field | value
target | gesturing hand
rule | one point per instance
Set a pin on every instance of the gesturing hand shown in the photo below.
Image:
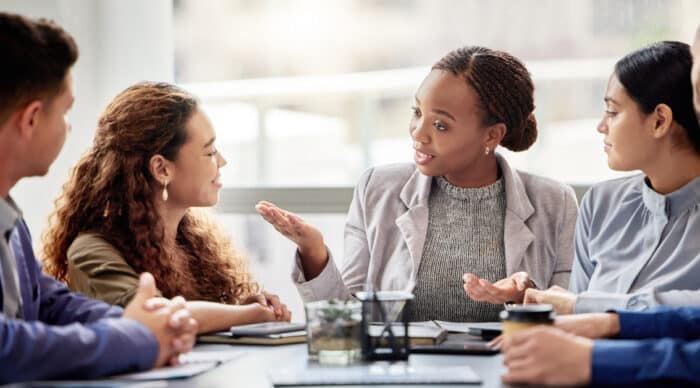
(292, 226)
(511, 288)
(309, 240)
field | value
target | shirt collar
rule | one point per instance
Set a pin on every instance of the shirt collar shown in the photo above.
(672, 204)
(9, 214)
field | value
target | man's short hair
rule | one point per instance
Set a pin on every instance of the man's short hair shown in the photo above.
(35, 56)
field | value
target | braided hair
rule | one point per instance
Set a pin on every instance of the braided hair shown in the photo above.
(504, 87)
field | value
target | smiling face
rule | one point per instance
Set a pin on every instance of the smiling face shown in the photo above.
(628, 141)
(196, 177)
(446, 128)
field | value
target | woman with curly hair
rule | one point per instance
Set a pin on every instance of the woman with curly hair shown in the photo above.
(126, 210)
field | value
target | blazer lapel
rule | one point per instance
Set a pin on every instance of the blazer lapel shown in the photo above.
(413, 224)
(517, 235)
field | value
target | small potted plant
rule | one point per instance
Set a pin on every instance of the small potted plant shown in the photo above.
(334, 331)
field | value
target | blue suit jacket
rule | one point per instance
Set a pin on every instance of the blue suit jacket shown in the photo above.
(63, 334)
(661, 344)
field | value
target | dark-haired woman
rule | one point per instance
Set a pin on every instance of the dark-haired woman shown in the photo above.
(637, 242)
(660, 347)
(127, 209)
(460, 213)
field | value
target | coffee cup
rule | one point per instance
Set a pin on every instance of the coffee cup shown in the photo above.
(518, 317)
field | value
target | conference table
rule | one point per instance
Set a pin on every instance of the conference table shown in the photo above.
(251, 368)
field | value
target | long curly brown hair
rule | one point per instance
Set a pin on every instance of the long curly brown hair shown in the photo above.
(111, 192)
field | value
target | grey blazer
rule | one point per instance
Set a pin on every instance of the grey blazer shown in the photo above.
(388, 220)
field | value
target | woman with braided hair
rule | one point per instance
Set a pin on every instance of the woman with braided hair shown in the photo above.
(460, 218)
(126, 209)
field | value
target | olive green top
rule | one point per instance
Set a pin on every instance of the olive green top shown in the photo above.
(97, 269)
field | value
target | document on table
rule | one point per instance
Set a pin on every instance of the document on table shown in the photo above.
(182, 371)
(374, 373)
(191, 364)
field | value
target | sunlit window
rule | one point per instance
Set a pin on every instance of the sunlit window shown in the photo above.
(311, 92)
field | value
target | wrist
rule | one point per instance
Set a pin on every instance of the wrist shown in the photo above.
(587, 366)
(313, 261)
(255, 313)
(613, 325)
(572, 304)
(314, 253)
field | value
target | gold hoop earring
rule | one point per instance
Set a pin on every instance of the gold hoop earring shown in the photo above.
(165, 192)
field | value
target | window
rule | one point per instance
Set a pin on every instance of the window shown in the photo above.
(309, 93)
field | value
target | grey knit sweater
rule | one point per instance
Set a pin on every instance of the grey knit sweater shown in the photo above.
(465, 234)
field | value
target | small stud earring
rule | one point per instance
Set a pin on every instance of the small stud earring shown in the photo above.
(165, 192)
(486, 151)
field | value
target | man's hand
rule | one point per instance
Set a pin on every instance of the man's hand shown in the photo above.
(169, 321)
(595, 325)
(546, 355)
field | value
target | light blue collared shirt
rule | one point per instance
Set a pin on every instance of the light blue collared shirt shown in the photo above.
(636, 248)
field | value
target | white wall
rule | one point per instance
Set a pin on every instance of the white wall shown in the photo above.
(121, 42)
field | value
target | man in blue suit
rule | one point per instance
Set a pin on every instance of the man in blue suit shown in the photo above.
(657, 345)
(46, 331)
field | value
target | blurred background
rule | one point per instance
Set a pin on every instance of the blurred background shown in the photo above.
(306, 94)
